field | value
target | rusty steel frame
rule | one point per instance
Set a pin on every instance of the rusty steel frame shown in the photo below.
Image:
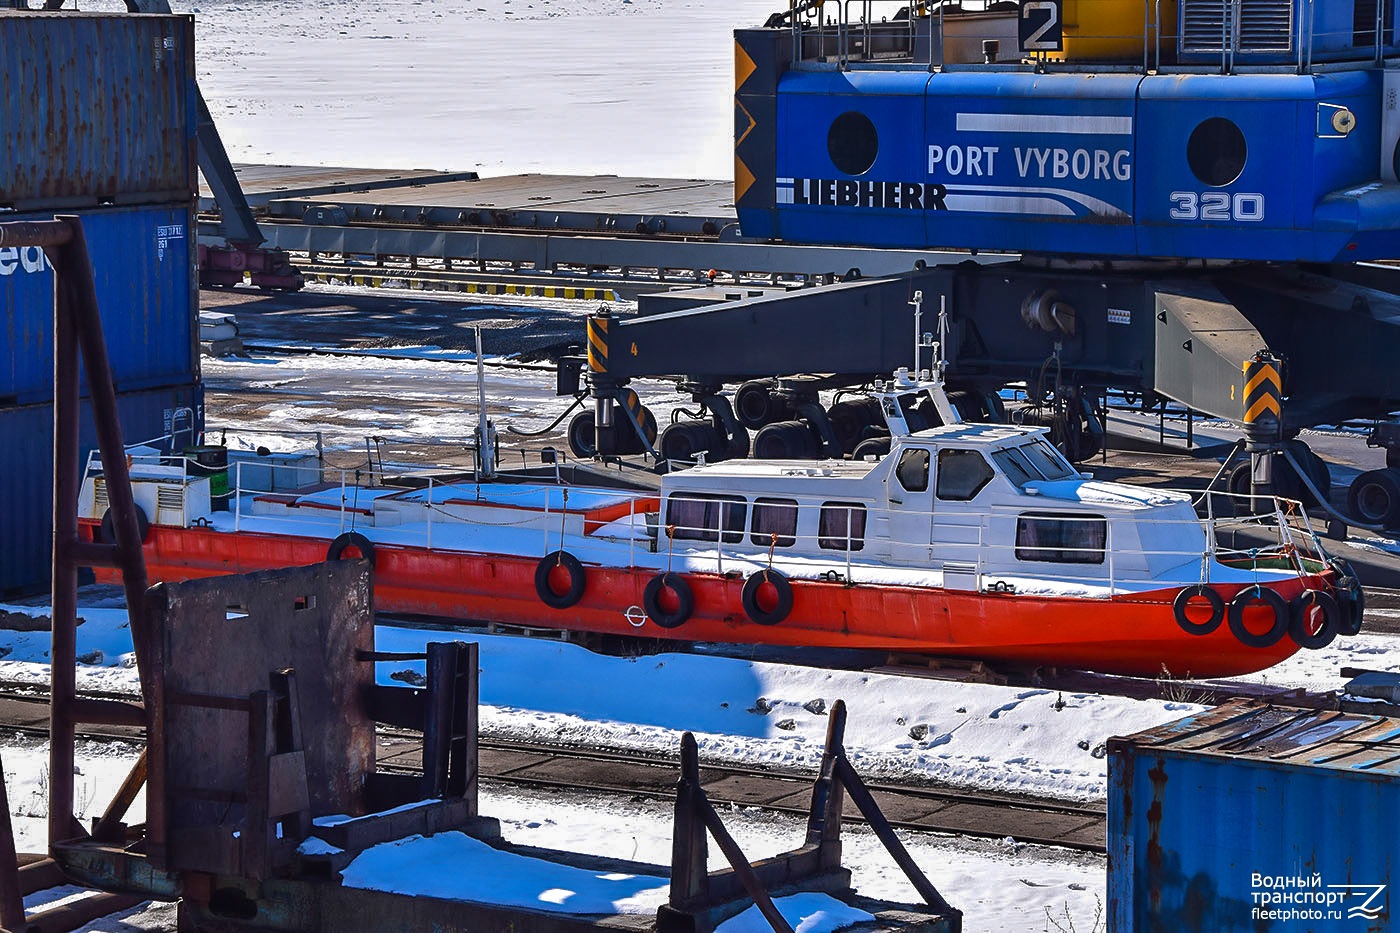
(78, 336)
(700, 898)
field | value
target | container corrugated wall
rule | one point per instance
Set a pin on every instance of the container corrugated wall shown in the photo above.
(26, 465)
(143, 264)
(1249, 818)
(96, 109)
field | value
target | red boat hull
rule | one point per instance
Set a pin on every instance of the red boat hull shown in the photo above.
(1133, 634)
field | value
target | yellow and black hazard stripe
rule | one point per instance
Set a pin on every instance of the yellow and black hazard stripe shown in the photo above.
(760, 57)
(598, 343)
(1263, 390)
(645, 419)
(577, 293)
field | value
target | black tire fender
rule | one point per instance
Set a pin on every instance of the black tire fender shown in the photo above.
(109, 525)
(781, 586)
(685, 599)
(1331, 619)
(1351, 596)
(348, 540)
(1259, 594)
(544, 570)
(1182, 602)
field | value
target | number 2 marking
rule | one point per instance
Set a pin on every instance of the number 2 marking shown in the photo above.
(1035, 42)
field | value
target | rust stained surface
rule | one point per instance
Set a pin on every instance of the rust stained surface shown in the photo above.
(222, 639)
(97, 109)
(1158, 776)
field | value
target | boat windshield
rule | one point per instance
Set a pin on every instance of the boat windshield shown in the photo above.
(1033, 461)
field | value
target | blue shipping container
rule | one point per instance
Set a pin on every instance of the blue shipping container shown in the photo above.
(26, 470)
(1253, 817)
(95, 109)
(143, 264)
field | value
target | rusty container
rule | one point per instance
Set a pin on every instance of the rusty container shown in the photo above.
(96, 110)
(1255, 817)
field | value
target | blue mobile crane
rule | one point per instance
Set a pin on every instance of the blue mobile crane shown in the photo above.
(1180, 199)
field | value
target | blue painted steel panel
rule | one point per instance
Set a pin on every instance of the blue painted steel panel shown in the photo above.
(1086, 164)
(881, 206)
(26, 465)
(143, 264)
(1248, 817)
(96, 109)
(1294, 160)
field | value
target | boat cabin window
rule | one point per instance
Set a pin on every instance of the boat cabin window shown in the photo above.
(1031, 462)
(774, 522)
(1061, 538)
(961, 474)
(1015, 465)
(698, 516)
(1048, 460)
(912, 470)
(842, 526)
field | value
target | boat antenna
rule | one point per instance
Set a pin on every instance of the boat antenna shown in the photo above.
(918, 304)
(940, 359)
(485, 430)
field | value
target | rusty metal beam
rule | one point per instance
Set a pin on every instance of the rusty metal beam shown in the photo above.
(45, 234)
(78, 336)
(690, 888)
(11, 892)
(846, 774)
(79, 913)
(824, 817)
(109, 826)
(64, 609)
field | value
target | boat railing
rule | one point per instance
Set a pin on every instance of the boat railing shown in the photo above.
(1131, 35)
(1246, 532)
(144, 465)
(1102, 550)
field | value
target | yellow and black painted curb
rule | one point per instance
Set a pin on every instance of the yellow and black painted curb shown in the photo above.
(574, 292)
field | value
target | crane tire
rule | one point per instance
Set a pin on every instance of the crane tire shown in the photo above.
(1183, 600)
(544, 572)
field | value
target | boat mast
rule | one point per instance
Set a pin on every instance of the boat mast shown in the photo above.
(933, 381)
(485, 429)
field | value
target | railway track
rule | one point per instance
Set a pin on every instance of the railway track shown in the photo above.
(562, 769)
(1166, 688)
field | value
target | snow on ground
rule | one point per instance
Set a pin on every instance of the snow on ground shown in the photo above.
(351, 395)
(1000, 885)
(742, 712)
(753, 713)
(635, 87)
(762, 714)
